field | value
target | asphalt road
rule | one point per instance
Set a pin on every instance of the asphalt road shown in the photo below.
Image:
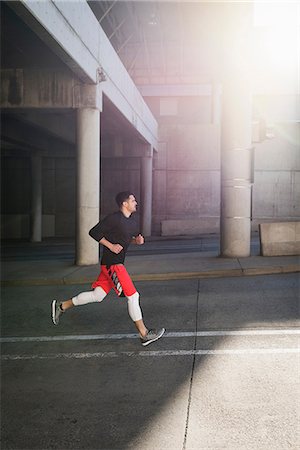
(226, 374)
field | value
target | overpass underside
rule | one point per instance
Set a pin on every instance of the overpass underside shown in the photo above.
(76, 130)
(64, 118)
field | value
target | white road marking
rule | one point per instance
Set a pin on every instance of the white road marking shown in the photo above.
(180, 334)
(159, 353)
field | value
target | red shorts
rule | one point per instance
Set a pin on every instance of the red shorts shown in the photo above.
(115, 277)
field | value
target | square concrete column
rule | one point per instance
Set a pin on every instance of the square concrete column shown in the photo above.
(146, 191)
(88, 174)
(36, 198)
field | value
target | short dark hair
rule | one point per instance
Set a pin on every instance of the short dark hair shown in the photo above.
(122, 197)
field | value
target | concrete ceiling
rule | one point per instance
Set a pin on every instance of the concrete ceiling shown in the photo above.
(169, 42)
(162, 38)
(22, 48)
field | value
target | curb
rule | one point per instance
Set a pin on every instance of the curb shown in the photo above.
(268, 270)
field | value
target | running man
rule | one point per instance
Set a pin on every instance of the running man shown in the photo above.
(115, 233)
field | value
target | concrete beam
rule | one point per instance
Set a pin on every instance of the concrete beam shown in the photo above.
(37, 88)
(46, 89)
(89, 54)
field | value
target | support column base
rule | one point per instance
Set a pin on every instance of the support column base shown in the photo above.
(235, 237)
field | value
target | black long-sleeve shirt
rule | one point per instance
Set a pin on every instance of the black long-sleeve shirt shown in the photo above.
(117, 229)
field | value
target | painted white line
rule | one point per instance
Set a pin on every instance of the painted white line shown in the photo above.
(180, 334)
(82, 337)
(159, 353)
(265, 332)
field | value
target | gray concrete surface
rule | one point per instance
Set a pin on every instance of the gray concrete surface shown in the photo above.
(226, 374)
(280, 238)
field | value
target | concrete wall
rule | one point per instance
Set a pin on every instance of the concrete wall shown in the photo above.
(58, 191)
(59, 197)
(276, 192)
(186, 183)
(15, 197)
(186, 189)
(118, 174)
(187, 167)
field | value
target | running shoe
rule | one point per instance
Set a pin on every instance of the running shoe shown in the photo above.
(56, 312)
(152, 336)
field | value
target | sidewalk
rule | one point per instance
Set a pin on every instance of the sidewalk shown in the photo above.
(159, 259)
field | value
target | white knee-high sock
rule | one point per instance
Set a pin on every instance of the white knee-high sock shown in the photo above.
(134, 309)
(97, 295)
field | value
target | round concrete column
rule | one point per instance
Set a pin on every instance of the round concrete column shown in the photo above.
(36, 198)
(88, 184)
(236, 171)
(146, 194)
(236, 135)
(215, 103)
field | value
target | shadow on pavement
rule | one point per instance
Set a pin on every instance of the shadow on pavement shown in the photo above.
(120, 401)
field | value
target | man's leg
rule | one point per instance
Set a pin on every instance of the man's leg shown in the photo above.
(135, 313)
(147, 336)
(97, 295)
(124, 287)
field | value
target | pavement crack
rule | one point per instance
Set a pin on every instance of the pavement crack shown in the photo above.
(192, 373)
(239, 263)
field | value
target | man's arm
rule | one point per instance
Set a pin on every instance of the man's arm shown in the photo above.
(115, 248)
(98, 232)
(101, 228)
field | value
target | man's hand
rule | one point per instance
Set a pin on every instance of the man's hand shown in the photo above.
(139, 240)
(116, 248)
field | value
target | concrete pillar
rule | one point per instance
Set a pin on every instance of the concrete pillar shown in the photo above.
(88, 175)
(236, 198)
(36, 198)
(215, 104)
(146, 192)
(236, 152)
